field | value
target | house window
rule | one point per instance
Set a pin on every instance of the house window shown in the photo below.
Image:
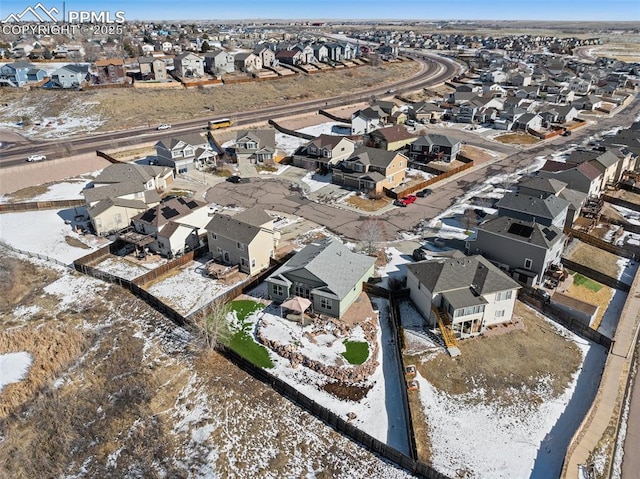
(528, 263)
(239, 245)
(325, 303)
(214, 237)
(253, 262)
(390, 178)
(243, 261)
(277, 289)
(219, 250)
(301, 290)
(501, 296)
(500, 314)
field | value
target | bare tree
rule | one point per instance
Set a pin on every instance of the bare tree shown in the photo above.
(370, 234)
(212, 324)
(469, 219)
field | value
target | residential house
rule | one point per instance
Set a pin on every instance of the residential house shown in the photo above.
(307, 53)
(218, 62)
(152, 68)
(266, 55)
(323, 152)
(247, 62)
(188, 65)
(528, 121)
(566, 113)
(424, 112)
(588, 102)
(290, 57)
(584, 177)
(174, 225)
(371, 170)
(325, 272)
(185, 153)
(470, 292)
(367, 120)
(246, 239)
(257, 146)
(349, 51)
(525, 248)
(521, 79)
(110, 70)
(320, 52)
(70, 76)
(122, 191)
(435, 146)
(390, 138)
(16, 74)
(335, 51)
(549, 211)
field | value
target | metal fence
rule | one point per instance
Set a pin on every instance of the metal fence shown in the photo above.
(36, 255)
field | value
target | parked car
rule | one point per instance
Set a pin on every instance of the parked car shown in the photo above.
(36, 158)
(164, 126)
(423, 193)
(410, 123)
(420, 253)
(237, 179)
(543, 295)
(480, 213)
(566, 133)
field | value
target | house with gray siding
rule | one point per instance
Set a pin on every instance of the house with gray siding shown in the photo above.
(470, 292)
(185, 153)
(525, 248)
(547, 211)
(70, 76)
(326, 272)
(323, 152)
(246, 239)
(218, 62)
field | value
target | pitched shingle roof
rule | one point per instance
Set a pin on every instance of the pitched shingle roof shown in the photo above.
(171, 210)
(524, 231)
(549, 207)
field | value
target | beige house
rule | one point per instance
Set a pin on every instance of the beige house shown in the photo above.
(371, 170)
(122, 191)
(323, 152)
(246, 239)
(390, 138)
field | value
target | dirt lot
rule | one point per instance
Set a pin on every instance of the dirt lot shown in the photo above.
(507, 366)
(594, 258)
(127, 107)
(517, 139)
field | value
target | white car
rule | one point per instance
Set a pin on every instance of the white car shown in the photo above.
(164, 126)
(37, 158)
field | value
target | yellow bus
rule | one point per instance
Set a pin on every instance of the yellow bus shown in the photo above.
(221, 123)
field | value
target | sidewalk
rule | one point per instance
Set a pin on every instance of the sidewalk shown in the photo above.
(612, 387)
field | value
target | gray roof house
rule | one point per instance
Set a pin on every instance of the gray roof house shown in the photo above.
(323, 152)
(246, 239)
(525, 248)
(546, 211)
(434, 145)
(257, 146)
(185, 153)
(470, 292)
(70, 76)
(326, 272)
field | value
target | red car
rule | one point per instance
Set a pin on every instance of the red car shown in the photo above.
(406, 200)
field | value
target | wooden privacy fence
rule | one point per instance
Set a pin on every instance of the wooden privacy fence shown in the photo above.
(620, 202)
(625, 225)
(169, 265)
(40, 205)
(601, 244)
(563, 318)
(411, 189)
(596, 275)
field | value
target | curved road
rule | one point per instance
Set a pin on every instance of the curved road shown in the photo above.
(434, 70)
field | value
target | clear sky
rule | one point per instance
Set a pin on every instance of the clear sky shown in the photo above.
(602, 10)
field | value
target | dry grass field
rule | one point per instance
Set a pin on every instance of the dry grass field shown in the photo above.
(127, 107)
(595, 258)
(367, 204)
(517, 139)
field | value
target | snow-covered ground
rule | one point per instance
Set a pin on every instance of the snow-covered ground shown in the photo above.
(189, 289)
(316, 181)
(68, 190)
(487, 440)
(122, 268)
(380, 412)
(396, 267)
(14, 367)
(43, 232)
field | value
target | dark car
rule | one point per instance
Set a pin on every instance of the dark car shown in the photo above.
(480, 213)
(400, 203)
(566, 133)
(420, 253)
(237, 179)
(423, 193)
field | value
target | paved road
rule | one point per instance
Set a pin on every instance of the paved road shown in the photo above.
(434, 70)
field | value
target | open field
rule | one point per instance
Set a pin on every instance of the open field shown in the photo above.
(120, 108)
(517, 139)
(626, 52)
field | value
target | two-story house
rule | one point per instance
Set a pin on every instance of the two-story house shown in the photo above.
(323, 152)
(246, 239)
(152, 68)
(188, 65)
(390, 138)
(247, 62)
(525, 248)
(371, 170)
(174, 225)
(434, 146)
(16, 74)
(470, 291)
(70, 76)
(325, 272)
(424, 112)
(367, 120)
(110, 70)
(185, 153)
(549, 211)
(218, 62)
(256, 146)
(266, 55)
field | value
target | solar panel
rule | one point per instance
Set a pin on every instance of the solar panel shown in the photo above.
(520, 230)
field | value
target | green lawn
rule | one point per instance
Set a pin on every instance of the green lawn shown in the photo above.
(580, 280)
(357, 351)
(242, 342)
